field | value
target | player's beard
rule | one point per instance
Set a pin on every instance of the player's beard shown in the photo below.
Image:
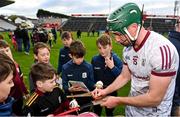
(127, 42)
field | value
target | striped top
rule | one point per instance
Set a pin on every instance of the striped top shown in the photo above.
(157, 56)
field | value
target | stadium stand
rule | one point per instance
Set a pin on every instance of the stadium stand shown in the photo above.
(85, 24)
(5, 2)
(161, 24)
(6, 25)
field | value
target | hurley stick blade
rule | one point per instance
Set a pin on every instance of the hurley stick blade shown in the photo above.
(80, 95)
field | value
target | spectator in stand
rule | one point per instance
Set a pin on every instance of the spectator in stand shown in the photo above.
(43, 35)
(35, 36)
(50, 38)
(98, 33)
(60, 31)
(107, 66)
(7, 71)
(78, 34)
(1, 37)
(53, 30)
(13, 40)
(64, 56)
(93, 31)
(41, 55)
(174, 37)
(19, 90)
(26, 41)
(18, 36)
(48, 98)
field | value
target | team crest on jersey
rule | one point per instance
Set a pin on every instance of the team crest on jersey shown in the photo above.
(84, 75)
(127, 57)
(143, 62)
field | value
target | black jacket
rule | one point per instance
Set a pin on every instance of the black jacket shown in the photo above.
(40, 104)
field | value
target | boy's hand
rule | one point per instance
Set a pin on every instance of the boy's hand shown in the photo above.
(109, 62)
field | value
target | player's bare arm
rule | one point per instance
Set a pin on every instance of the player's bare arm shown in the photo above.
(157, 90)
(122, 79)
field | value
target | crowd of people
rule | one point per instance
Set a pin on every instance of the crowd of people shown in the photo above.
(150, 62)
(22, 37)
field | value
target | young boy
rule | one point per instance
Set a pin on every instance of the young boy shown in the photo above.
(41, 54)
(19, 90)
(7, 71)
(47, 98)
(78, 69)
(107, 66)
(64, 57)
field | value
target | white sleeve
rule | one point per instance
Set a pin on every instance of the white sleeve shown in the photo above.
(164, 60)
(124, 56)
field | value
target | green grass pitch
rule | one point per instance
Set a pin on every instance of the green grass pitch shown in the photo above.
(25, 61)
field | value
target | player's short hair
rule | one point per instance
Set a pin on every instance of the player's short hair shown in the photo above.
(6, 66)
(3, 44)
(40, 45)
(42, 72)
(77, 49)
(104, 40)
(66, 35)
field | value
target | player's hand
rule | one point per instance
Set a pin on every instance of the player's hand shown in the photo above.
(109, 62)
(98, 93)
(110, 102)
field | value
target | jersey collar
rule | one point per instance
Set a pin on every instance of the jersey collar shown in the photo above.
(142, 43)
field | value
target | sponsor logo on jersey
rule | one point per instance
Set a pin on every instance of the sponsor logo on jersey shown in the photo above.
(70, 75)
(146, 78)
(43, 110)
(97, 68)
(62, 55)
(84, 75)
(143, 62)
(127, 57)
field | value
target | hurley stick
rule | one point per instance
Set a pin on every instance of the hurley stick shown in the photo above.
(80, 95)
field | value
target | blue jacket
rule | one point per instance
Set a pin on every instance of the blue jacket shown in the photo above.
(103, 73)
(174, 37)
(82, 72)
(6, 108)
(63, 58)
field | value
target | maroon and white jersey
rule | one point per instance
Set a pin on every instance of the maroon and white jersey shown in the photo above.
(156, 55)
